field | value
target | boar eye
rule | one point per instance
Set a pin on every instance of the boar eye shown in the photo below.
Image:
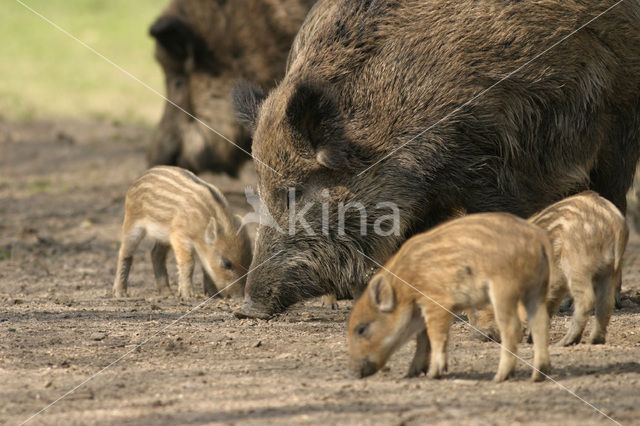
(290, 195)
(226, 263)
(361, 329)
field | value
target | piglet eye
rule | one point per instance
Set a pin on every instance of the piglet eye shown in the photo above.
(226, 263)
(361, 329)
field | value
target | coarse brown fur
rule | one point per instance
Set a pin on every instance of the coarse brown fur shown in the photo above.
(367, 78)
(494, 258)
(203, 46)
(182, 212)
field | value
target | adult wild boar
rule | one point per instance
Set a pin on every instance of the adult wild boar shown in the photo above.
(404, 102)
(202, 46)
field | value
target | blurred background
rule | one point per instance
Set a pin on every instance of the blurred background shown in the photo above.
(44, 74)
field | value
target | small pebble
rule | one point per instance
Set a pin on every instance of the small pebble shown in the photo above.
(98, 336)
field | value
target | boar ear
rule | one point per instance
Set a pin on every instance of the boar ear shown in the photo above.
(381, 294)
(179, 40)
(313, 112)
(211, 233)
(247, 100)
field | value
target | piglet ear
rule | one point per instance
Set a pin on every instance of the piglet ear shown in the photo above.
(381, 294)
(313, 111)
(247, 100)
(211, 233)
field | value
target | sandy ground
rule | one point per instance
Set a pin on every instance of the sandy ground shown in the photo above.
(61, 203)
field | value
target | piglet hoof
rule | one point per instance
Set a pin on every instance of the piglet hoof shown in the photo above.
(501, 377)
(567, 341)
(120, 293)
(330, 302)
(618, 300)
(436, 373)
(415, 372)
(541, 373)
(165, 291)
(186, 295)
(597, 339)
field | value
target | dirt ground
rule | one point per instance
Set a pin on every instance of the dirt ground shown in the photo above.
(61, 205)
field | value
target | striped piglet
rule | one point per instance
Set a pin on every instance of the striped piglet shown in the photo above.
(180, 211)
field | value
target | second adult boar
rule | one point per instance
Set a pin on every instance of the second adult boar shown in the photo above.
(203, 46)
(435, 107)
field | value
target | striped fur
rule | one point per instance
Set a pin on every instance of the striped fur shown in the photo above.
(182, 212)
(494, 258)
(589, 236)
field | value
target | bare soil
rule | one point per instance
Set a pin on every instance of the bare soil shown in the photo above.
(61, 205)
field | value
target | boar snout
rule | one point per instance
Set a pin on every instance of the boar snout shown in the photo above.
(164, 148)
(252, 310)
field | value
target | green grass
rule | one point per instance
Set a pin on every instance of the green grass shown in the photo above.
(37, 186)
(44, 74)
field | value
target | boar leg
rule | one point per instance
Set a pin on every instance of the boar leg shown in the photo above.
(330, 301)
(438, 322)
(420, 363)
(130, 242)
(510, 334)
(583, 299)
(538, 320)
(159, 262)
(185, 261)
(605, 300)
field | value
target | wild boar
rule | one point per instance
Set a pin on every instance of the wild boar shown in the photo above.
(202, 46)
(589, 236)
(433, 107)
(484, 258)
(182, 212)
